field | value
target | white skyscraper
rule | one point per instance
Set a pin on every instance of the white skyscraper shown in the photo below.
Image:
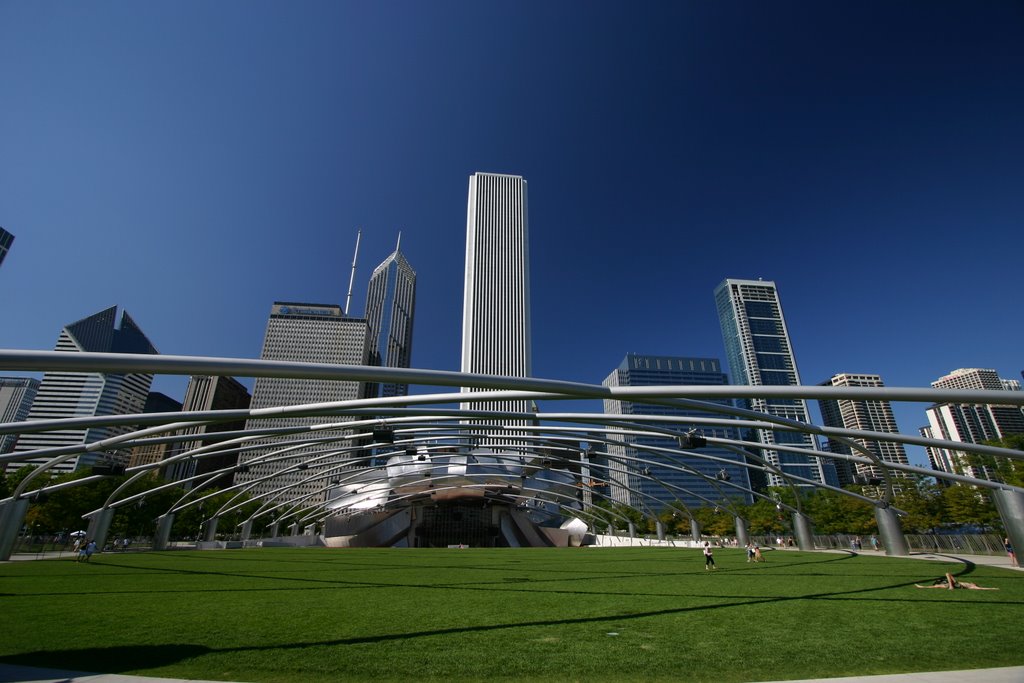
(872, 416)
(314, 333)
(970, 423)
(759, 352)
(496, 308)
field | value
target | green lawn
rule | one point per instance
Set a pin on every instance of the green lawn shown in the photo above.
(629, 614)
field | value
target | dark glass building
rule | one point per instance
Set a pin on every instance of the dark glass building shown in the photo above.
(637, 483)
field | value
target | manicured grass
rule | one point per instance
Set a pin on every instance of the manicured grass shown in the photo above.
(629, 614)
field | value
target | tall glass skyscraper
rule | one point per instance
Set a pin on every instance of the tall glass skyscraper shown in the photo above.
(314, 333)
(635, 484)
(73, 394)
(496, 307)
(6, 240)
(759, 353)
(390, 309)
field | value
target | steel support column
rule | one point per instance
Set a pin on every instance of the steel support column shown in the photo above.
(695, 530)
(1010, 505)
(163, 531)
(660, 528)
(890, 531)
(742, 532)
(632, 530)
(12, 517)
(211, 529)
(246, 529)
(99, 525)
(802, 531)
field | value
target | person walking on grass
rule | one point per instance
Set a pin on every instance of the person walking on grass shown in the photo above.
(709, 559)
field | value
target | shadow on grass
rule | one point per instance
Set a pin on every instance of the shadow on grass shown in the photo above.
(141, 658)
(118, 659)
(686, 567)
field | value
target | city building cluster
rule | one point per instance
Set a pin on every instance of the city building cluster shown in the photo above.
(495, 341)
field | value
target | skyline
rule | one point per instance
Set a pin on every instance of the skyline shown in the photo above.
(195, 164)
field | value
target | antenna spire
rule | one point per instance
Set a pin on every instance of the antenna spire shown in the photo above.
(352, 277)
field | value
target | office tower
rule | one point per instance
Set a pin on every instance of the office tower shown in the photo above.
(74, 394)
(633, 483)
(970, 423)
(313, 333)
(206, 393)
(390, 308)
(6, 240)
(16, 396)
(971, 378)
(156, 402)
(874, 416)
(496, 307)
(759, 352)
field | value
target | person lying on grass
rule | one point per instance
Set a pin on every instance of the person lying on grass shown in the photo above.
(949, 583)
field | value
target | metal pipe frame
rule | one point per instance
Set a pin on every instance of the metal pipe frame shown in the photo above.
(429, 420)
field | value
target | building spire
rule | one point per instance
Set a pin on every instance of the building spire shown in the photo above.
(398, 246)
(352, 277)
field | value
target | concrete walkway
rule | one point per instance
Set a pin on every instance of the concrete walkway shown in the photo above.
(1009, 674)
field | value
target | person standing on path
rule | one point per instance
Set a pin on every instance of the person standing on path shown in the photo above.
(709, 559)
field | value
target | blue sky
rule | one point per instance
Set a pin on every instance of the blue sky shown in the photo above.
(194, 162)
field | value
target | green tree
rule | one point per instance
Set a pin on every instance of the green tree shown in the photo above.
(923, 505)
(714, 521)
(765, 518)
(825, 508)
(963, 504)
(1002, 469)
(63, 510)
(858, 516)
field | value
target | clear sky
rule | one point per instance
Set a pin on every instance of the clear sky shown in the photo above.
(194, 162)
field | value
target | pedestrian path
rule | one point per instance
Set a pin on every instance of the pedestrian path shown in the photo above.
(29, 674)
(1008, 674)
(986, 560)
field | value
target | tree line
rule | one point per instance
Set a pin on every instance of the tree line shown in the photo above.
(60, 512)
(929, 506)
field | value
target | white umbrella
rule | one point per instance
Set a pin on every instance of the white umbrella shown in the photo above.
(76, 533)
